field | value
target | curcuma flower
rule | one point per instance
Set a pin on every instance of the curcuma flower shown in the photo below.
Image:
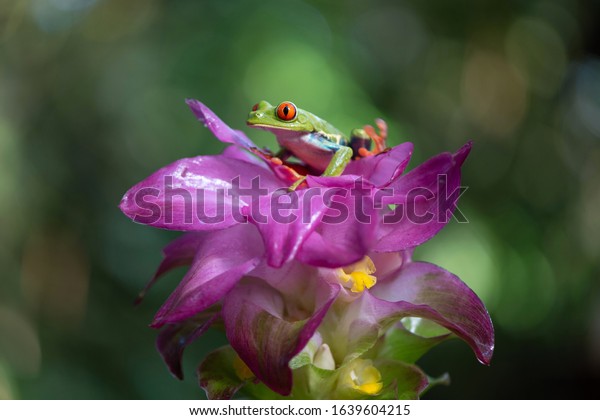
(309, 332)
(208, 193)
(313, 282)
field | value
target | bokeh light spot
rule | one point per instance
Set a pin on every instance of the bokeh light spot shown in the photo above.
(55, 278)
(538, 53)
(529, 291)
(494, 95)
(587, 99)
(7, 387)
(19, 342)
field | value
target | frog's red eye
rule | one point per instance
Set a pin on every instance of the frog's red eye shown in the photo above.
(255, 107)
(286, 111)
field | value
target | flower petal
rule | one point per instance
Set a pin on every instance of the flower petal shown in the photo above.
(330, 224)
(217, 374)
(197, 193)
(342, 181)
(220, 130)
(174, 338)
(286, 219)
(283, 224)
(427, 291)
(400, 344)
(262, 336)
(239, 153)
(425, 199)
(228, 135)
(345, 234)
(178, 253)
(221, 260)
(401, 381)
(383, 168)
(407, 382)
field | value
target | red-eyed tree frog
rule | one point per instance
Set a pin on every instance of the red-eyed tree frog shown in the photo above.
(315, 142)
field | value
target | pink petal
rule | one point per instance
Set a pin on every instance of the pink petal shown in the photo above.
(222, 259)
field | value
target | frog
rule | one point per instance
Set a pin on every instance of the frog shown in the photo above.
(318, 144)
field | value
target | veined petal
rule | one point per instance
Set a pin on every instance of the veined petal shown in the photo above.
(221, 260)
(178, 253)
(290, 279)
(425, 199)
(264, 337)
(174, 338)
(427, 291)
(383, 168)
(282, 223)
(200, 193)
(286, 219)
(220, 130)
(407, 382)
(218, 376)
(345, 234)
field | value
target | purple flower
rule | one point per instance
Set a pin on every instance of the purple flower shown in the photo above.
(380, 314)
(314, 305)
(209, 193)
(269, 332)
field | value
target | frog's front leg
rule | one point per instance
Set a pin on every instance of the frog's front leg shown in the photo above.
(339, 161)
(336, 166)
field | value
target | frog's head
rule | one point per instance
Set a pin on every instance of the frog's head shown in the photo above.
(284, 117)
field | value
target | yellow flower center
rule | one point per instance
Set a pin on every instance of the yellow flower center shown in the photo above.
(364, 377)
(358, 275)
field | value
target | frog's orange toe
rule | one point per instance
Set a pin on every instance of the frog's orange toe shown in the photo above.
(378, 138)
(383, 128)
(363, 152)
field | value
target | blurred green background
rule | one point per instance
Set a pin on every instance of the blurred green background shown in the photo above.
(92, 100)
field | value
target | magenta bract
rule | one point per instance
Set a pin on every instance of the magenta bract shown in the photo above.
(276, 266)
